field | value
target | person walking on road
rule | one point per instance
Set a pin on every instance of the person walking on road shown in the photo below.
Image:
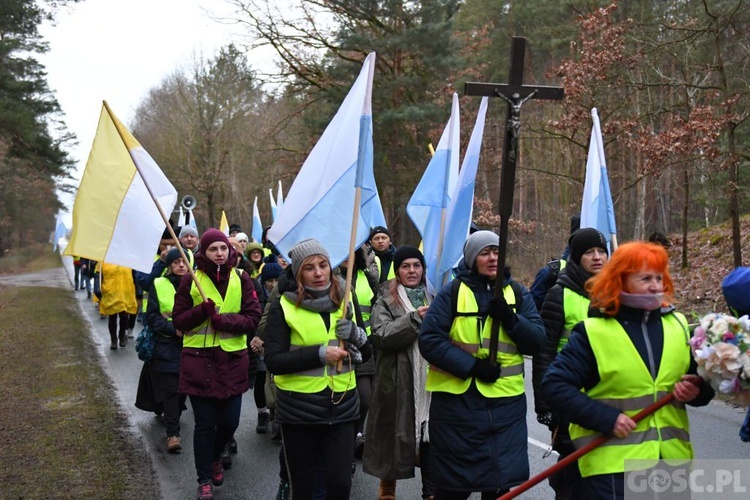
(477, 429)
(632, 350)
(215, 364)
(397, 424)
(317, 405)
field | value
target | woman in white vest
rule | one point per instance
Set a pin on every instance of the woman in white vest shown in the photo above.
(316, 403)
(477, 425)
(632, 350)
(215, 362)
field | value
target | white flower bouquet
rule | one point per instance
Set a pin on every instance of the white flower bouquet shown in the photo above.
(721, 347)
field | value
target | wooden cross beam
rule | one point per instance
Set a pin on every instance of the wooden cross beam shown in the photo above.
(515, 94)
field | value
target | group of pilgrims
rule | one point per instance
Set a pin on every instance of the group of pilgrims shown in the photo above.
(402, 379)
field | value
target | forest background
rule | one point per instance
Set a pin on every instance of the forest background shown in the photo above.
(668, 77)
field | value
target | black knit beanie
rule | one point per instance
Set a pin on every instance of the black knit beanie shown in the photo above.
(406, 252)
(582, 240)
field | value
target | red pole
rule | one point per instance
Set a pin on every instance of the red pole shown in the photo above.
(652, 408)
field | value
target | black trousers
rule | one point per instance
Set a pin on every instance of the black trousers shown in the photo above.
(305, 445)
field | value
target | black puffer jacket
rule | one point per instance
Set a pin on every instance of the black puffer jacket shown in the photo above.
(295, 407)
(573, 277)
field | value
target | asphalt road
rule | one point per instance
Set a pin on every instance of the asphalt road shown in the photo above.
(254, 474)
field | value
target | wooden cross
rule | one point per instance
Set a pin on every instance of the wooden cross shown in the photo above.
(515, 94)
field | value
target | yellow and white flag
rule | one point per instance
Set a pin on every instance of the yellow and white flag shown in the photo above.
(224, 224)
(115, 219)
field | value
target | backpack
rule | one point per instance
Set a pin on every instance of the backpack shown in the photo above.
(144, 344)
(455, 284)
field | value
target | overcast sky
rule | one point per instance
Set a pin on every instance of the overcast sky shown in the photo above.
(116, 50)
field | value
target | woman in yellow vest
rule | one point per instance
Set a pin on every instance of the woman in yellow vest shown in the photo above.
(157, 385)
(215, 362)
(397, 425)
(316, 404)
(477, 429)
(632, 350)
(566, 304)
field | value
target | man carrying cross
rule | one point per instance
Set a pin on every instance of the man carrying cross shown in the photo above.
(474, 336)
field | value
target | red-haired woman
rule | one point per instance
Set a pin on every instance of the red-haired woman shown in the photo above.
(632, 350)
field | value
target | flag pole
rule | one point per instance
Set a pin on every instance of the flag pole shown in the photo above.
(650, 409)
(350, 263)
(158, 207)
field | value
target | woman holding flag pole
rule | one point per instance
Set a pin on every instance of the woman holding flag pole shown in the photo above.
(215, 361)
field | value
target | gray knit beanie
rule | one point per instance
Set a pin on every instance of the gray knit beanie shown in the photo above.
(476, 242)
(188, 230)
(303, 250)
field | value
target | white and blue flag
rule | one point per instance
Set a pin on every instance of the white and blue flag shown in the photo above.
(597, 209)
(429, 203)
(257, 232)
(320, 202)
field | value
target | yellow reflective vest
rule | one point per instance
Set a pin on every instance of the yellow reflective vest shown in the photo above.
(626, 384)
(364, 298)
(165, 292)
(576, 309)
(468, 333)
(308, 329)
(205, 335)
(391, 271)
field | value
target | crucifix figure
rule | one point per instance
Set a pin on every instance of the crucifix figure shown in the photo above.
(515, 94)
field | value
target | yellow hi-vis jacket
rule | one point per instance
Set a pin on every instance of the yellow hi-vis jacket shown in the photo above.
(576, 309)
(205, 335)
(165, 292)
(626, 384)
(364, 298)
(468, 333)
(308, 329)
(391, 271)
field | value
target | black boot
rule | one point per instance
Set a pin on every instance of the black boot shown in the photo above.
(123, 340)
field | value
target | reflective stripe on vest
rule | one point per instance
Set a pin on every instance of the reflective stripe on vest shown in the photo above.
(165, 292)
(204, 335)
(364, 298)
(309, 329)
(468, 333)
(626, 384)
(575, 309)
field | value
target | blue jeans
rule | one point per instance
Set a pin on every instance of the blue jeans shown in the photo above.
(215, 422)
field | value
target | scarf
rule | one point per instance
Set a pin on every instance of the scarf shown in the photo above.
(643, 301)
(416, 295)
(418, 366)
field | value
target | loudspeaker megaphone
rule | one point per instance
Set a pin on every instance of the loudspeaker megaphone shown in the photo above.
(188, 202)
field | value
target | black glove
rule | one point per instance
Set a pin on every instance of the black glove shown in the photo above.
(549, 419)
(485, 371)
(502, 312)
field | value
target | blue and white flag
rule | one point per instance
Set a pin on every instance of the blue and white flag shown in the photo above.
(279, 199)
(319, 204)
(461, 208)
(429, 203)
(60, 232)
(274, 208)
(597, 209)
(257, 232)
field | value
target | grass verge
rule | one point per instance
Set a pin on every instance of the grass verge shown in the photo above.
(38, 257)
(62, 431)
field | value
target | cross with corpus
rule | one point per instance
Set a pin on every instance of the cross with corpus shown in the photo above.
(515, 94)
